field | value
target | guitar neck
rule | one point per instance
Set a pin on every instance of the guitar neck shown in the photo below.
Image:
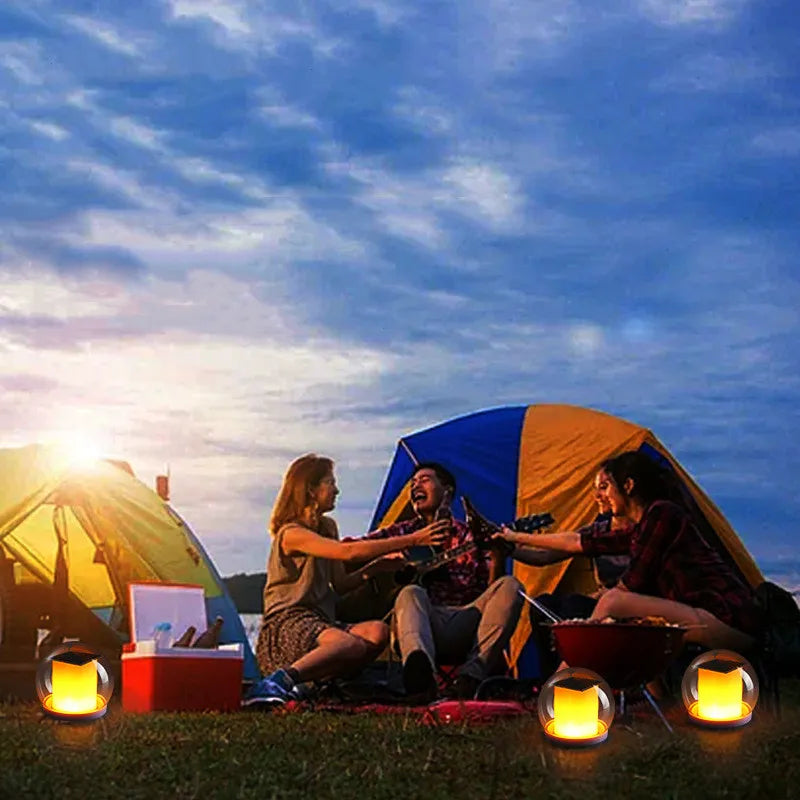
(437, 560)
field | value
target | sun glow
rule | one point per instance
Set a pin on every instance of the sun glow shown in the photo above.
(80, 449)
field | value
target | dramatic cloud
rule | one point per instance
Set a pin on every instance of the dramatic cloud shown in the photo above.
(234, 231)
(692, 12)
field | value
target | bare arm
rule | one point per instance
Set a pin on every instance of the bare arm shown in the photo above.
(538, 556)
(298, 539)
(532, 556)
(568, 542)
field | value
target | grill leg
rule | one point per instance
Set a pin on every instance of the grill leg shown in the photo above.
(650, 699)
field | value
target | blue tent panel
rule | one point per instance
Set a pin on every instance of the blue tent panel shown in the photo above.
(480, 449)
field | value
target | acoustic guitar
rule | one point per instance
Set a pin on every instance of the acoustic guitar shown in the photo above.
(426, 563)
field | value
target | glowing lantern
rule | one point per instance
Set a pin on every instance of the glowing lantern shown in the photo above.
(576, 707)
(73, 684)
(720, 690)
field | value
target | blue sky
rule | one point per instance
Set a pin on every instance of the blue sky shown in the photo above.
(232, 232)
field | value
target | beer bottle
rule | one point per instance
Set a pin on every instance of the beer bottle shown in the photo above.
(209, 639)
(186, 639)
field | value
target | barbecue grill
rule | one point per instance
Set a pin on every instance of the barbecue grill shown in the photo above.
(626, 654)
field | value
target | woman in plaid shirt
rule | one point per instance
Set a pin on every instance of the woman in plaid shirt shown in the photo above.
(674, 572)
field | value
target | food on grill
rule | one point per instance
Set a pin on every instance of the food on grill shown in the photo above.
(651, 620)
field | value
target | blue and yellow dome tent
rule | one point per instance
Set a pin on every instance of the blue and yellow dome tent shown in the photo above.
(115, 530)
(519, 460)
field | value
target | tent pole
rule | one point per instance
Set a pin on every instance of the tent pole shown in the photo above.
(414, 459)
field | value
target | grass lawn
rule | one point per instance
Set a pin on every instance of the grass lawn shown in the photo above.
(321, 755)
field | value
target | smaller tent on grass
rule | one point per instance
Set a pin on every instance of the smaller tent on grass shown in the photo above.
(73, 538)
(521, 460)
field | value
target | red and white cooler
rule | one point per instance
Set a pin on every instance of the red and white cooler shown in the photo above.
(158, 677)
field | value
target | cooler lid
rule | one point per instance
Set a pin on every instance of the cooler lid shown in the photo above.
(181, 605)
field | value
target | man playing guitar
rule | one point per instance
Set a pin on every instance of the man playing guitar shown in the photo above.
(466, 610)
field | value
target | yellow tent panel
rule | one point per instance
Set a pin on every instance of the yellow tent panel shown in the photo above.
(112, 530)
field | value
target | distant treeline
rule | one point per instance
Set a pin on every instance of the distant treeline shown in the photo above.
(247, 591)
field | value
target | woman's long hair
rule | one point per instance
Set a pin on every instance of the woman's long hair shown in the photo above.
(651, 482)
(294, 497)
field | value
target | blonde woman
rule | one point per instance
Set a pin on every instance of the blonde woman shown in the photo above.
(300, 640)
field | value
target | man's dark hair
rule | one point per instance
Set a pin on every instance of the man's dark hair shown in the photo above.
(442, 473)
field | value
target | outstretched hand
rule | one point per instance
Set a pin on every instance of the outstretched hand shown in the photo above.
(438, 532)
(501, 543)
(503, 535)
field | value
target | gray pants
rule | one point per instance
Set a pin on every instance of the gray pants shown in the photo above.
(474, 634)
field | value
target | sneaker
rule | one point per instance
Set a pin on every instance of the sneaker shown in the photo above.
(275, 689)
(418, 676)
(281, 677)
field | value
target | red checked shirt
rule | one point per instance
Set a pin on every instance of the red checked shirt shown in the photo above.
(671, 559)
(458, 582)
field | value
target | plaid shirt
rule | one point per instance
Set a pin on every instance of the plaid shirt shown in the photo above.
(462, 579)
(671, 559)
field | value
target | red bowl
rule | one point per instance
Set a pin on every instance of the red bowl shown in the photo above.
(623, 653)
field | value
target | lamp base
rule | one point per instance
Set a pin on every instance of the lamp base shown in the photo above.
(746, 716)
(589, 741)
(100, 710)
